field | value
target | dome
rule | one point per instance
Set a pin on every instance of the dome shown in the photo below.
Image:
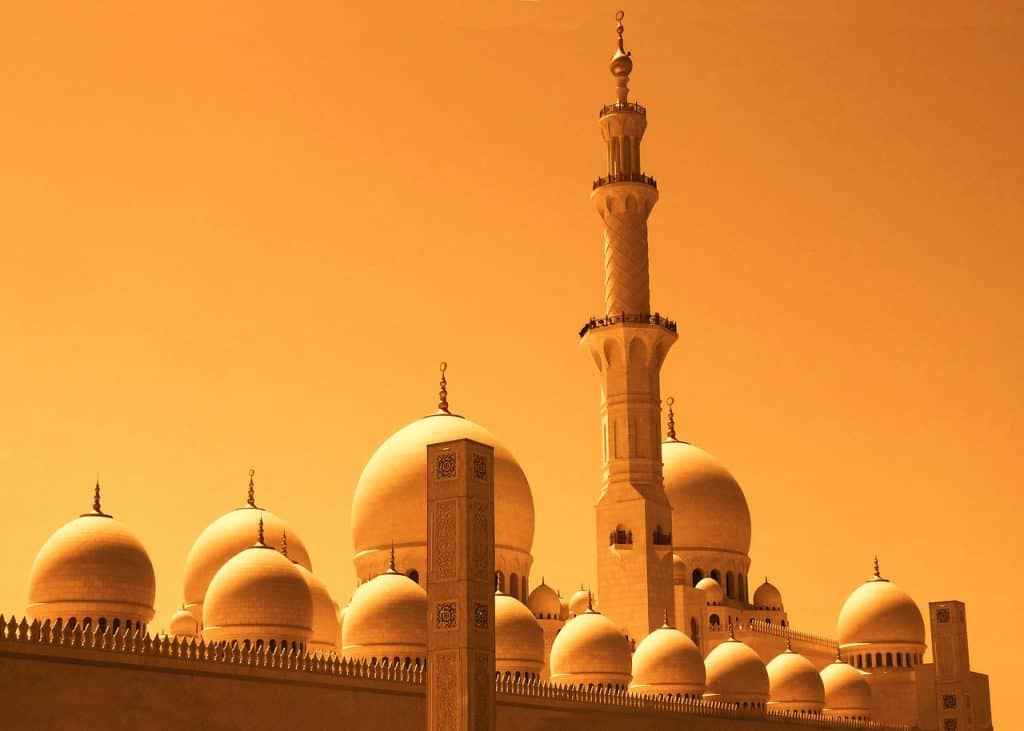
(666, 662)
(563, 604)
(847, 693)
(386, 619)
(544, 602)
(712, 590)
(880, 612)
(258, 595)
(518, 638)
(227, 536)
(767, 596)
(679, 575)
(390, 502)
(579, 602)
(325, 613)
(709, 510)
(92, 568)
(794, 684)
(736, 674)
(183, 624)
(590, 650)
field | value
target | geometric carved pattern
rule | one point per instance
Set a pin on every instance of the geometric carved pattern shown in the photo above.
(445, 467)
(479, 467)
(445, 691)
(949, 724)
(446, 616)
(443, 550)
(481, 615)
(481, 678)
(949, 701)
(479, 542)
(627, 286)
(942, 615)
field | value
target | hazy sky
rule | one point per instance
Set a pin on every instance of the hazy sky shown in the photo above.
(244, 234)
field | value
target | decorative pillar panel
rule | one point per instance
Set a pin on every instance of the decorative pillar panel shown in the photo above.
(952, 665)
(460, 586)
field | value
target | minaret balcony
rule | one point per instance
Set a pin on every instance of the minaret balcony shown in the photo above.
(622, 107)
(625, 178)
(656, 319)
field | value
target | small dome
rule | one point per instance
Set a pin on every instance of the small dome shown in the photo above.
(736, 674)
(563, 603)
(258, 595)
(518, 638)
(794, 684)
(544, 602)
(679, 575)
(579, 602)
(667, 663)
(709, 510)
(325, 613)
(767, 596)
(226, 537)
(183, 624)
(92, 568)
(590, 650)
(879, 612)
(390, 502)
(386, 619)
(712, 590)
(847, 692)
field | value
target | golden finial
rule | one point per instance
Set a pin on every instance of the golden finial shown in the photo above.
(839, 656)
(618, 27)
(878, 574)
(590, 600)
(259, 534)
(789, 642)
(96, 497)
(621, 63)
(671, 419)
(252, 489)
(732, 635)
(391, 561)
(666, 624)
(442, 404)
(284, 541)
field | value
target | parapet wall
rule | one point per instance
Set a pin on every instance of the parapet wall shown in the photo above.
(57, 678)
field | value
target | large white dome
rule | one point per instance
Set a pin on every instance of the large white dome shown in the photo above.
(709, 510)
(390, 502)
(518, 638)
(92, 568)
(879, 612)
(794, 684)
(386, 619)
(735, 674)
(590, 651)
(668, 663)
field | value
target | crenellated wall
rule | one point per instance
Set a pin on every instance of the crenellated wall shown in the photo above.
(56, 678)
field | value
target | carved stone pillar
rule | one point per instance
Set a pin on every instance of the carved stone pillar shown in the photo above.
(460, 586)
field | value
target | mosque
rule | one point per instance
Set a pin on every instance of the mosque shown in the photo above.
(672, 637)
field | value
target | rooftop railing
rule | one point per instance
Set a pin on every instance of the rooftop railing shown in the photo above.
(625, 178)
(767, 628)
(656, 319)
(623, 107)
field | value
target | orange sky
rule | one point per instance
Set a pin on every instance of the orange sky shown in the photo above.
(242, 234)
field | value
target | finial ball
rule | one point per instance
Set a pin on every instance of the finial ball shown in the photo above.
(444, 366)
(670, 400)
(620, 15)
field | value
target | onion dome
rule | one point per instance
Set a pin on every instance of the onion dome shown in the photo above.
(579, 602)
(590, 651)
(668, 663)
(544, 602)
(259, 596)
(386, 620)
(709, 510)
(712, 590)
(879, 612)
(767, 596)
(390, 501)
(94, 571)
(518, 639)
(794, 684)
(325, 610)
(847, 693)
(735, 674)
(679, 575)
(228, 535)
(183, 624)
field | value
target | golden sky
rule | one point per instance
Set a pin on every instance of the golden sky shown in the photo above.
(244, 234)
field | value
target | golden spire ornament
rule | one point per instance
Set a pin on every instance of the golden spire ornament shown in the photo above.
(251, 501)
(671, 419)
(442, 404)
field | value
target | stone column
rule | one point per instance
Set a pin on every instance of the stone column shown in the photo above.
(460, 586)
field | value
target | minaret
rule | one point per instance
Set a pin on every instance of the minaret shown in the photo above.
(629, 344)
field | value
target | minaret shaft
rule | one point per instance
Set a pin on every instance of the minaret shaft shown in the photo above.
(629, 345)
